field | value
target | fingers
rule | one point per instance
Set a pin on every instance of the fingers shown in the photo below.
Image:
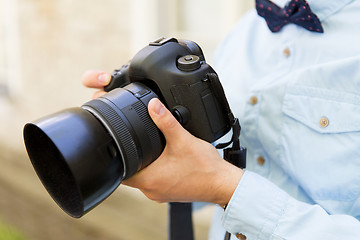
(95, 79)
(164, 120)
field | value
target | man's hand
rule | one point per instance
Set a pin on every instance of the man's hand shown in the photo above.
(189, 169)
(96, 79)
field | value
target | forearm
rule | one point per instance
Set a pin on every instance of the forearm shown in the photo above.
(260, 210)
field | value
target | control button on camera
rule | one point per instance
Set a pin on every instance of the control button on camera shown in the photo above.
(141, 93)
(189, 63)
(181, 114)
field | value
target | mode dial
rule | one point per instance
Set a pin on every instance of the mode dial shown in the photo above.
(189, 63)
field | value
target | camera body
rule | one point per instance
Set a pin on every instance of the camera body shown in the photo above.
(177, 72)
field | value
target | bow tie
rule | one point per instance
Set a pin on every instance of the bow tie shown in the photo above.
(296, 11)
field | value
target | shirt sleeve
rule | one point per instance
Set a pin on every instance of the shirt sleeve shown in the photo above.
(259, 209)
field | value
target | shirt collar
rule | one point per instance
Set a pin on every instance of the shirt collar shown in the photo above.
(322, 8)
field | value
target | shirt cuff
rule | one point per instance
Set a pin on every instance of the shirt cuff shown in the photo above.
(255, 208)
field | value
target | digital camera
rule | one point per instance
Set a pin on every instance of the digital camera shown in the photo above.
(82, 154)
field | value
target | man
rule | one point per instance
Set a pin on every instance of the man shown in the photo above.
(296, 93)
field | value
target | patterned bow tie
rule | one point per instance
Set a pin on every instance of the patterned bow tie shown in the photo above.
(296, 11)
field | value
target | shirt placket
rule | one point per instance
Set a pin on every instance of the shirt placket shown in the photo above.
(257, 158)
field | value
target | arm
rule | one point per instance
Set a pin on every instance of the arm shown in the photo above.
(260, 210)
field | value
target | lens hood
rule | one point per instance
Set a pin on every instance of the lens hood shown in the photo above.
(75, 158)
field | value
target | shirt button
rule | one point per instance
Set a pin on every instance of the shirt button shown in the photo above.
(260, 160)
(240, 236)
(286, 52)
(324, 122)
(253, 100)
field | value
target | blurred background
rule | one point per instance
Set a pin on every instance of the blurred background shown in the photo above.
(45, 46)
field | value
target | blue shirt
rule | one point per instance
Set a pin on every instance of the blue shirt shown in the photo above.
(297, 95)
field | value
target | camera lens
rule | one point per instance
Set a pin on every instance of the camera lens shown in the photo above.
(123, 112)
(81, 155)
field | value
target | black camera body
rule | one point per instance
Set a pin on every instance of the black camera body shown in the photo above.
(82, 154)
(177, 72)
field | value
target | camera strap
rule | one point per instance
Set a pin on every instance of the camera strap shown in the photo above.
(180, 225)
(234, 154)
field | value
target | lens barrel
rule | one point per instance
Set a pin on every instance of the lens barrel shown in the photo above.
(81, 155)
(123, 112)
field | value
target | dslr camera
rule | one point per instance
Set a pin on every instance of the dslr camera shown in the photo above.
(82, 154)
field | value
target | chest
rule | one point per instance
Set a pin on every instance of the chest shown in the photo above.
(302, 131)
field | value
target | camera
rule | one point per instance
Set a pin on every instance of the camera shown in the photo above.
(82, 154)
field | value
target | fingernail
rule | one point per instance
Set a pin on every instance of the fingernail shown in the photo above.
(104, 78)
(159, 108)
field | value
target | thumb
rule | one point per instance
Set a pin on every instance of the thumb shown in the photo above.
(164, 120)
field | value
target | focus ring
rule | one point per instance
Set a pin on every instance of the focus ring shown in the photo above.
(120, 130)
(150, 127)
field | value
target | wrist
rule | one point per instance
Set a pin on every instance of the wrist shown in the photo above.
(225, 182)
